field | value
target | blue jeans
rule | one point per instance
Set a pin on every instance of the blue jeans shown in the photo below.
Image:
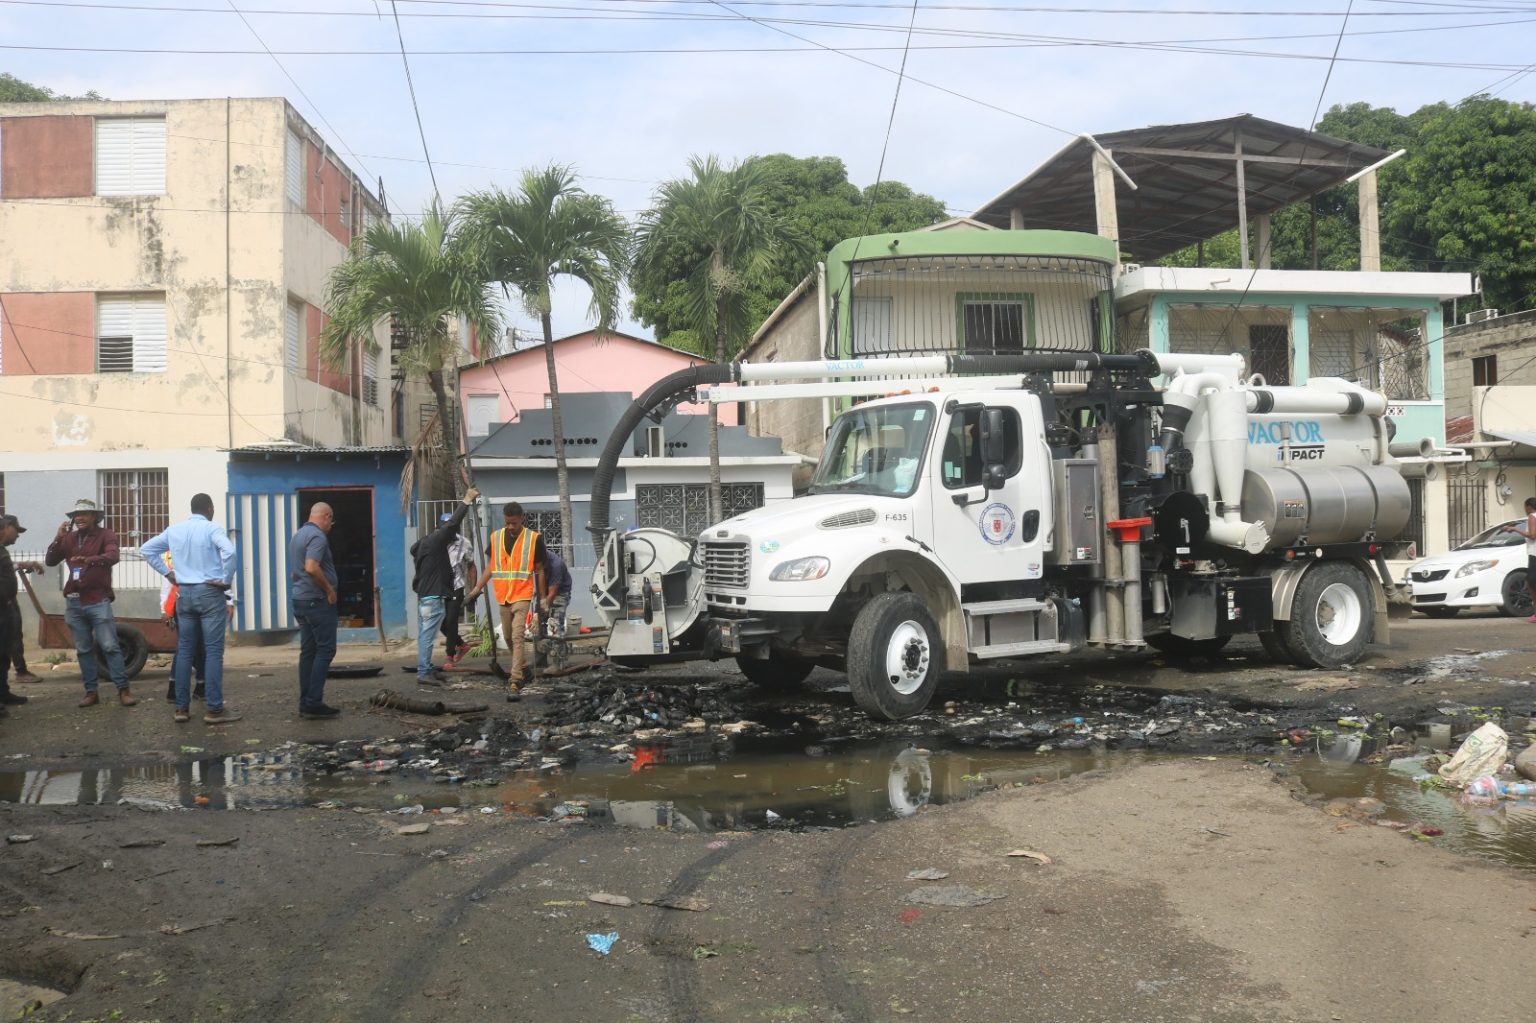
(429, 615)
(95, 632)
(317, 648)
(201, 613)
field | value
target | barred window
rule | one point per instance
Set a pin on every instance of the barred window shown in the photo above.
(135, 503)
(683, 508)
(547, 525)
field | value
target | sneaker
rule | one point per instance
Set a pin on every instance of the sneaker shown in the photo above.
(27, 676)
(90, 700)
(126, 698)
(182, 715)
(200, 691)
(514, 692)
(436, 679)
(319, 712)
(222, 716)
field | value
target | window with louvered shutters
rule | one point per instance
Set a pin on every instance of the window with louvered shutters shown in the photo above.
(293, 335)
(293, 170)
(130, 156)
(130, 334)
(370, 376)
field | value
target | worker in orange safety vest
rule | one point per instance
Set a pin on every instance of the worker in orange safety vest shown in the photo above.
(515, 573)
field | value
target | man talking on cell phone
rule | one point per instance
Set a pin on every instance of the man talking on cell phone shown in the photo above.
(90, 549)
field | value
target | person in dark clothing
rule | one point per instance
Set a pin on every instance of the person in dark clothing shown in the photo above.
(312, 584)
(10, 622)
(461, 557)
(434, 587)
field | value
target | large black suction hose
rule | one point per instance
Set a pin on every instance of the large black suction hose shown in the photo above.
(656, 396)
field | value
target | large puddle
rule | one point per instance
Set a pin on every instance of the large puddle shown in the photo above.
(693, 784)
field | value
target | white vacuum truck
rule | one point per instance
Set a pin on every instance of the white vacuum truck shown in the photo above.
(977, 508)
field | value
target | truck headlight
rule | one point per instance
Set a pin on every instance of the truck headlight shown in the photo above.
(1473, 567)
(800, 570)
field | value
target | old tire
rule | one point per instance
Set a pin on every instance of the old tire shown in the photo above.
(1273, 643)
(774, 673)
(1517, 599)
(895, 656)
(1178, 646)
(1331, 616)
(1450, 612)
(135, 649)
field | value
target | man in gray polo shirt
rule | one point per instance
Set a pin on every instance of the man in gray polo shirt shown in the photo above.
(312, 580)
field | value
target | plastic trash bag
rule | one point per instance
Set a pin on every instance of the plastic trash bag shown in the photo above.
(1482, 753)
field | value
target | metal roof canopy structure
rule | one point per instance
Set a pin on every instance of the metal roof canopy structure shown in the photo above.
(1193, 181)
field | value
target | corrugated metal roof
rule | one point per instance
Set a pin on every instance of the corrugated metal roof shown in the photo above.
(305, 449)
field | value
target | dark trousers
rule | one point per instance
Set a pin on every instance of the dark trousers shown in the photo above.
(16, 646)
(317, 648)
(453, 610)
(8, 627)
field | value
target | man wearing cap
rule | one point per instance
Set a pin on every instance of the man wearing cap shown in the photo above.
(312, 586)
(204, 558)
(461, 559)
(434, 585)
(89, 548)
(10, 611)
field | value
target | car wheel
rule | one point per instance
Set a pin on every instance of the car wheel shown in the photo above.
(1440, 612)
(895, 656)
(1517, 598)
(1331, 616)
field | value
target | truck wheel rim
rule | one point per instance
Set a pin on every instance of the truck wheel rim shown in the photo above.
(1339, 614)
(906, 658)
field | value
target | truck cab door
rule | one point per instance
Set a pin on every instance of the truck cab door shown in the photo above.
(992, 518)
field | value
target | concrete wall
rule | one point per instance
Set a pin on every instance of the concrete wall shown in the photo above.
(1511, 340)
(801, 424)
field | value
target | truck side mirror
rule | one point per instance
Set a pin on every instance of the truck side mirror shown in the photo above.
(994, 476)
(992, 437)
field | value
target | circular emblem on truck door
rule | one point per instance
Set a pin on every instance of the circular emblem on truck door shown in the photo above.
(997, 524)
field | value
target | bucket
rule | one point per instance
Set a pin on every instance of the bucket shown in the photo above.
(573, 625)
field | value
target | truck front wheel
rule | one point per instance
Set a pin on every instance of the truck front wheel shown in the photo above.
(895, 656)
(774, 673)
(1330, 617)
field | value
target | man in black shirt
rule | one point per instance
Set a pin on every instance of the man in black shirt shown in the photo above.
(434, 587)
(10, 611)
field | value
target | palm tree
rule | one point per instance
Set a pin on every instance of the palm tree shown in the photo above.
(548, 228)
(420, 276)
(724, 216)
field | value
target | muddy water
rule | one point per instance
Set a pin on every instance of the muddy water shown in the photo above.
(690, 786)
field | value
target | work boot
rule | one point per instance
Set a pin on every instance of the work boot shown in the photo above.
(222, 716)
(90, 700)
(319, 712)
(514, 692)
(126, 698)
(26, 676)
(11, 699)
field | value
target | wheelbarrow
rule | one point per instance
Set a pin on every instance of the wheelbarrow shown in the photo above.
(138, 637)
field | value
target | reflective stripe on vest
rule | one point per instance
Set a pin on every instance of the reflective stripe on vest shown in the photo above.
(512, 574)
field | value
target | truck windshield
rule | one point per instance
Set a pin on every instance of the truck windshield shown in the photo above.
(875, 451)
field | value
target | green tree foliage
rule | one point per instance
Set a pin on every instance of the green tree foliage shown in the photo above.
(14, 90)
(817, 205)
(523, 240)
(1463, 199)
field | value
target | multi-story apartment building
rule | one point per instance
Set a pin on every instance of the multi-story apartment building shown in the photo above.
(162, 273)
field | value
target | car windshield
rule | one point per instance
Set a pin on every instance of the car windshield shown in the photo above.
(1494, 536)
(875, 451)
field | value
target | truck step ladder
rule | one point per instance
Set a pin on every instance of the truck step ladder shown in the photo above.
(1013, 628)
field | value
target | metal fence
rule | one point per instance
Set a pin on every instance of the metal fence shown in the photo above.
(132, 572)
(1467, 496)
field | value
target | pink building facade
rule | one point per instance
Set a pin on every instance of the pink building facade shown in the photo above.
(499, 390)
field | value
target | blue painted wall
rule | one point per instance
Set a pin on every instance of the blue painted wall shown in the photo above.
(288, 473)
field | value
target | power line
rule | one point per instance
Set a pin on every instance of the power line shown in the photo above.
(414, 107)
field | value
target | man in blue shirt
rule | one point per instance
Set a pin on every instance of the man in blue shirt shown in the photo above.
(204, 560)
(312, 580)
(557, 595)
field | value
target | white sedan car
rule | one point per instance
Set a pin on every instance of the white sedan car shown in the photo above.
(1488, 571)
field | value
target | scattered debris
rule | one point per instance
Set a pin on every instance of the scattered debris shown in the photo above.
(216, 843)
(909, 915)
(605, 899)
(414, 829)
(75, 936)
(18, 839)
(927, 874)
(1039, 857)
(602, 944)
(956, 896)
(1482, 753)
(50, 871)
(685, 902)
(189, 928)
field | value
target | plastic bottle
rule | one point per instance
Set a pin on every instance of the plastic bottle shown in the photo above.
(1520, 789)
(1487, 786)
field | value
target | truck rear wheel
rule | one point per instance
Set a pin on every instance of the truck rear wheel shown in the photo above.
(1273, 643)
(775, 673)
(1331, 616)
(895, 656)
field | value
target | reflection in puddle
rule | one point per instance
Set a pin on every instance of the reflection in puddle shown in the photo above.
(681, 785)
(19, 1000)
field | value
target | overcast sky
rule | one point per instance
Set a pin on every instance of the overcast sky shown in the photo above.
(626, 90)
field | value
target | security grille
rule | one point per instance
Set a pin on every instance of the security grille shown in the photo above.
(727, 563)
(1469, 509)
(683, 508)
(136, 503)
(547, 525)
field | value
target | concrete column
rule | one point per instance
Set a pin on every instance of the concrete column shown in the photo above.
(1104, 198)
(1015, 219)
(1437, 516)
(1434, 352)
(1242, 203)
(1301, 345)
(1370, 224)
(1157, 325)
(1262, 240)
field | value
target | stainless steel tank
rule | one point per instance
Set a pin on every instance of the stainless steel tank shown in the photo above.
(1327, 504)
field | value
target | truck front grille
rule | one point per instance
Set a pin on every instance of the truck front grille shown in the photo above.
(727, 563)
